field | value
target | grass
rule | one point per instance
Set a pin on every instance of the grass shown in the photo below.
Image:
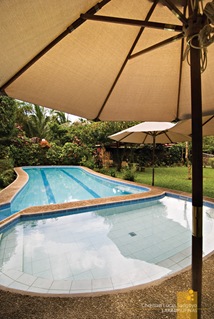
(175, 178)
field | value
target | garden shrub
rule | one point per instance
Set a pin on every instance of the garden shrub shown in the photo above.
(53, 155)
(24, 153)
(129, 175)
(7, 177)
(71, 154)
(211, 162)
(90, 163)
(7, 174)
(112, 172)
(5, 164)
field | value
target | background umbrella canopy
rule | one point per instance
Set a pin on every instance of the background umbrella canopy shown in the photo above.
(144, 133)
(150, 132)
(92, 71)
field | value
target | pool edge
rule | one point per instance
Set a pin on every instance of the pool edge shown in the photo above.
(142, 286)
(22, 178)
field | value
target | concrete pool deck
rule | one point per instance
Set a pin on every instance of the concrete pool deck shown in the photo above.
(28, 283)
(151, 301)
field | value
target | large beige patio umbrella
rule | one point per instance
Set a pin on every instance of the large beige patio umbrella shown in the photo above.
(185, 126)
(150, 133)
(124, 65)
(115, 60)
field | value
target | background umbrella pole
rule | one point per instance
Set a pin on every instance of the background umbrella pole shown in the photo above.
(197, 172)
(153, 160)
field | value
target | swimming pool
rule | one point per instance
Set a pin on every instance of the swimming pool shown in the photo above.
(100, 248)
(63, 184)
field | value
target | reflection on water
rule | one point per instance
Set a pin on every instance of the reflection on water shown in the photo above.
(99, 244)
(156, 227)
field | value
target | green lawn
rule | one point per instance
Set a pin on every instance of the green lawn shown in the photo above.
(175, 178)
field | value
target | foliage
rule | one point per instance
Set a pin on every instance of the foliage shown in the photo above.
(7, 116)
(7, 177)
(25, 152)
(173, 154)
(7, 131)
(53, 155)
(101, 130)
(211, 160)
(72, 154)
(129, 175)
(58, 133)
(88, 162)
(4, 151)
(102, 170)
(208, 144)
(59, 117)
(5, 164)
(95, 133)
(164, 156)
(75, 143)
(7, 174)
(38, 122)
(23, 112)
(112, 172)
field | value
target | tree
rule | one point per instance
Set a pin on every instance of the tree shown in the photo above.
(7, 117)
(23, 112)
(59, 117)
(7, 124)
(7, 131)
(208, 144)
(37, 124)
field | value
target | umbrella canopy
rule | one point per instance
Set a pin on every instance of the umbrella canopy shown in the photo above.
(53, 54)
(150, 132)
(146, 132)
(185, 126)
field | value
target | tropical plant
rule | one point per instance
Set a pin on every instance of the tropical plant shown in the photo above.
(72, 154)
(59, 117)
(34, 120)
(7, 118)
(54, 154)
(208, 144)
(23, 111)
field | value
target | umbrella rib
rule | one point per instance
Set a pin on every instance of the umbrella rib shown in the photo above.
(145, 139)
(180, 73)
(70, 29)
(126, 59)
(179, 80)
(133, 22)
(165, 133)
(158, 45)
(175, 10)
(128, 134)
(208, 120)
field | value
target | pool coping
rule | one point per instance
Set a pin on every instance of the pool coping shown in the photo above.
(21, 278)
(102, 292)
(8, 193)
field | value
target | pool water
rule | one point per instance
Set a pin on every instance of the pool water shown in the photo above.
(50, 185)
(103, 249)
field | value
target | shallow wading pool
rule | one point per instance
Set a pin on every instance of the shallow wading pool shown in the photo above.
(100, 248)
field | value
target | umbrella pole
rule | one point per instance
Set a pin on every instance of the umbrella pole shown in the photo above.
(153, 160)
(197, 173)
